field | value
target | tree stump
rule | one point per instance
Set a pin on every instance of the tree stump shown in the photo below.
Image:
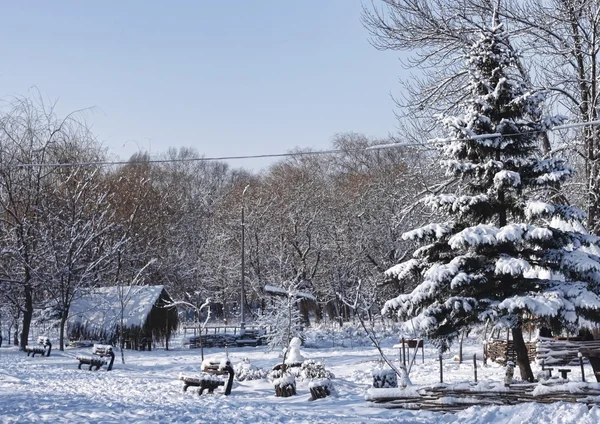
(384, 378)
(285, 386)
(320, 389)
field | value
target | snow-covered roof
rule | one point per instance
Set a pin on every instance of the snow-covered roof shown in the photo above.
(283, 292)
(99, 310)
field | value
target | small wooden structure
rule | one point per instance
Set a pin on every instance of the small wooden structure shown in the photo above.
(410, 344)
(143, 312)
(305, 300)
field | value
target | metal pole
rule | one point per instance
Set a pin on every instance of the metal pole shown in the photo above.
(475, 366)
(441, 369)
(243, 293)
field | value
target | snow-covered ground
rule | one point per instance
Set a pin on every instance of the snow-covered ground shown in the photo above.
(147, 389)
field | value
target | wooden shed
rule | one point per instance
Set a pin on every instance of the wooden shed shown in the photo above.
(140, 312)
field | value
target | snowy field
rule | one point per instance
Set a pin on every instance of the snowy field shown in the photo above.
(147, 389)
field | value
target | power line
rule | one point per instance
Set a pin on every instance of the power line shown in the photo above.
(311, 153)
(200, 159)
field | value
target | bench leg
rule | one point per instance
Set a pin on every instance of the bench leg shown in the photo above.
(80, 364)
(185, 387)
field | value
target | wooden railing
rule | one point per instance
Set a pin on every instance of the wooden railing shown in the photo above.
(562, 351)
(216, 329)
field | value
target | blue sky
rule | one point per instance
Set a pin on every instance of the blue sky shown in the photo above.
(234, 77)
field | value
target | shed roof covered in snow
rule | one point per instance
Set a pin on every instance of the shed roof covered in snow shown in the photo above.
(280, 291)
(97, 313)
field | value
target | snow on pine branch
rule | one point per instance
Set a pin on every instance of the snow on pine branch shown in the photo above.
(402, 270)
(491, 235)
(452, 203)
(506, 265)
(580, 262)
(431, 230)
(465, 167)
(554, 177)
(561, 298)
(506, 178)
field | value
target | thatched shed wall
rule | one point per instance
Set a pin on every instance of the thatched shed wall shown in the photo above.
(97, 315)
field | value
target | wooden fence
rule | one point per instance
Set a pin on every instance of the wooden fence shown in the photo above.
(559, 351)
(454, 397)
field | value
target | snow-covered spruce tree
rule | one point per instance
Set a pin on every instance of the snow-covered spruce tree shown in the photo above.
(497, 258)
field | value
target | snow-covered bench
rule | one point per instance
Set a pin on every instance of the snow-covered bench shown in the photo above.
(44, 348)
(100, 354)
(209, 380)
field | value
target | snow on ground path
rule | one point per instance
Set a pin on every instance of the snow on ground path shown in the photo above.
(147, 389)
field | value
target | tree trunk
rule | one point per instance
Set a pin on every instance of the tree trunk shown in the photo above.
(61, 339)
(460, 347)
(27, 316)
(522, 354)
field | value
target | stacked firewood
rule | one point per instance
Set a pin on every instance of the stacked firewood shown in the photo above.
(501, 351)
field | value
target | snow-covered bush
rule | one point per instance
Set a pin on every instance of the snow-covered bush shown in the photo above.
(314, 370)
(244, 370)
(384, 378)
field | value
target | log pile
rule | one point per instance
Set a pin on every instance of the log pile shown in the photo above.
(501, 351)
(453, 398)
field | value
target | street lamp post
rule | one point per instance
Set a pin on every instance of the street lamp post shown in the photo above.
(243, 293)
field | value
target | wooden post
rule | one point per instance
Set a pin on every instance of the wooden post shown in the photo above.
(460, 345)
(485, 352)
(581, 365)
(475, 366)
(441, 369)
(422, 352)
(403, 353)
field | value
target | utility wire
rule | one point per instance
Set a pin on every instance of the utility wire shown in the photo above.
(311, 153)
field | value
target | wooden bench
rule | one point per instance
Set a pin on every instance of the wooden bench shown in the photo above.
(210, 380)
(44, 348)
(100, 354)
(250, 338)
